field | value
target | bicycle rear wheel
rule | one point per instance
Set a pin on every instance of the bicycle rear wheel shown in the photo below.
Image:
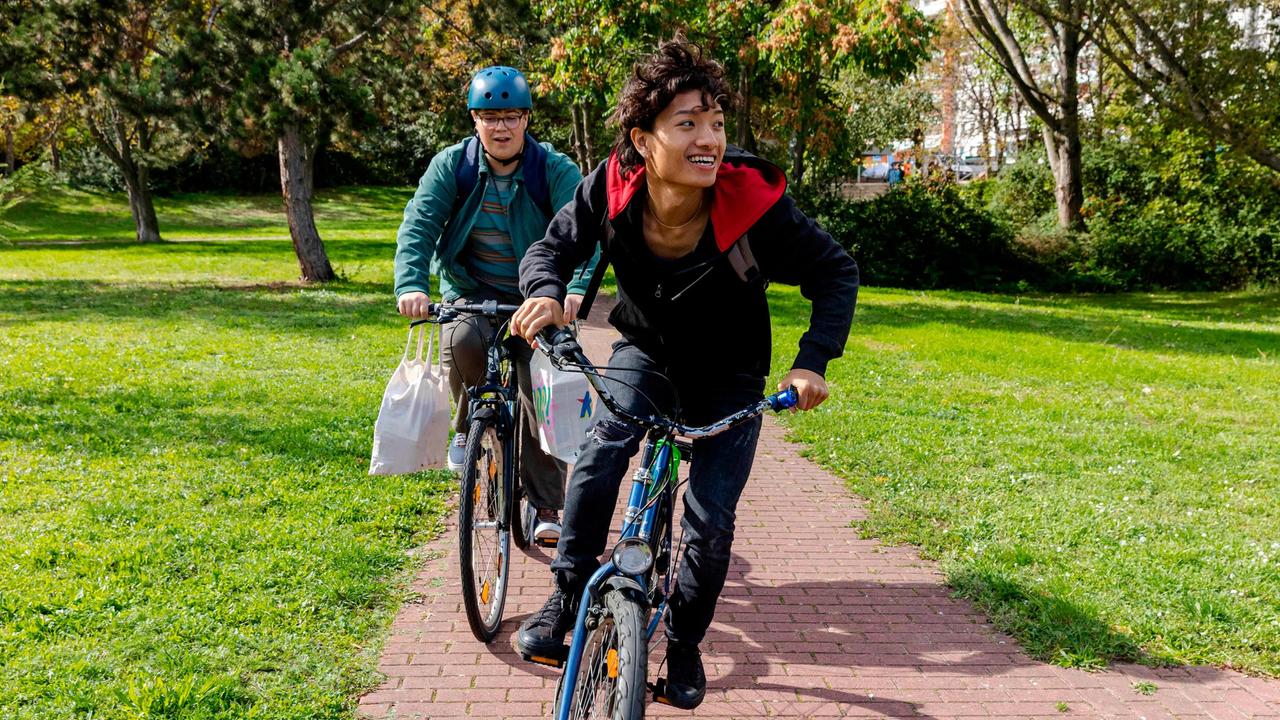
(615, 660)
(484, 544)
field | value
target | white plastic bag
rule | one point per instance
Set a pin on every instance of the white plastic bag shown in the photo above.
(413, 422)
(564, 404)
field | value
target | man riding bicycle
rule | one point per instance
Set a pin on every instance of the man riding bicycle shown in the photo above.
(695, 230)
(478, 208)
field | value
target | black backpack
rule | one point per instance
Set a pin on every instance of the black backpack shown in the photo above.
(533, 163)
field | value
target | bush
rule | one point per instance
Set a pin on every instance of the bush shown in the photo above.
(85, 167)
(915, 237)
(1177, 211)
(1022, 193)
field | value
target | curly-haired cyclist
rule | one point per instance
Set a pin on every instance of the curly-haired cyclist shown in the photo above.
(673, 203)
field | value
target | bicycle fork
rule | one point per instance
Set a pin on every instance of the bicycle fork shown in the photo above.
(640, 520)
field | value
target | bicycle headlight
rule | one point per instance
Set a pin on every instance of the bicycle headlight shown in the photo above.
(632, 556)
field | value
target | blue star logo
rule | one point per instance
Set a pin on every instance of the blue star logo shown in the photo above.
(586, 405)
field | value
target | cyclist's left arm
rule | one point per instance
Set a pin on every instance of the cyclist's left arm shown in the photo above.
(792, 249)
(563, 176)
(571, 240)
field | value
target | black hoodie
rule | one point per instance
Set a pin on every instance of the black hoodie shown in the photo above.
(695, 315)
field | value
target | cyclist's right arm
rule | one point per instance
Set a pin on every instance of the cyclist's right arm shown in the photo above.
(571, 239)
(424, 219)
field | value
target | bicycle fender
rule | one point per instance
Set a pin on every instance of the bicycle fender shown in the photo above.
(624, 583)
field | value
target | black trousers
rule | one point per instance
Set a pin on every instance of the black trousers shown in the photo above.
(719, 472)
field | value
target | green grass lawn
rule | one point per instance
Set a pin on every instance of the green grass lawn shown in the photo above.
(1102, 474)
(187, 530)
(186, 526)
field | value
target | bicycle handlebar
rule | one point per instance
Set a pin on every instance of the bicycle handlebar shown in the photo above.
(442, 313)
(563, 349)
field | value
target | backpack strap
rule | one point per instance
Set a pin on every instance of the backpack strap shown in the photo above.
(597, 277)
(467, 172)
(534, 163)
(743, 261)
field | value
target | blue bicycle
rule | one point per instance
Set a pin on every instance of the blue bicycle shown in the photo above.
(606, 665)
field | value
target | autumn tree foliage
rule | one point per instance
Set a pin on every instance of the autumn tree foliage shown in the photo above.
(783, 56)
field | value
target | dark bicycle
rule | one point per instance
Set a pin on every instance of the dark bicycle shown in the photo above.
(491, 509)
(606, 665)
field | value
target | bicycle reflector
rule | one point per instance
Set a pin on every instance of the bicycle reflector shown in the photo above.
(632, 556)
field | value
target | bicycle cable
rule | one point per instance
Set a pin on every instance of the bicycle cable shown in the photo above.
(596, 370)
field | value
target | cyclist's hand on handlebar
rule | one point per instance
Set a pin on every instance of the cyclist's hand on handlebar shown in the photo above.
(535, 314)
(571, 305)
(810, 386)
(414, 304)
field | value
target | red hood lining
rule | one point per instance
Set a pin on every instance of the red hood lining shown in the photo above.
(743, 193)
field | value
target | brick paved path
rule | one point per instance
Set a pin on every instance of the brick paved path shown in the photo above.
(813, 623)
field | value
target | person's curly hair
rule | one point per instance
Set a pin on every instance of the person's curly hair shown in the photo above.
(677, 66)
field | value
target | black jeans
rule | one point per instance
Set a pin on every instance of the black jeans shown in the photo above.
(719, 472)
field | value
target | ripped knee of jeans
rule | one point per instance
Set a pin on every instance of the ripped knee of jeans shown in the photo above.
(612, 432)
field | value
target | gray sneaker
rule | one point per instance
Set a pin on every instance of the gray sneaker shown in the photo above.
(547, 531)
(457, 452)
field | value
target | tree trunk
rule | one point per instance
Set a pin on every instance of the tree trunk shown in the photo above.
(141, 204)
(116, 146)
(587, 143)
(745, 139)
(579, 146)
(950, 78)
(1068, 185)
(1063, 153)
(296, 164)
(55, 156)
(797, 157)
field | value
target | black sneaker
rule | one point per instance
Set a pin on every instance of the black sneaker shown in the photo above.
(686, 682)
(542, 635)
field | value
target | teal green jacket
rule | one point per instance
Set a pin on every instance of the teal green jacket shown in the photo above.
(431, 238)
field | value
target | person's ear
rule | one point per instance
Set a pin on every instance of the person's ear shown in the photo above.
(640, 139)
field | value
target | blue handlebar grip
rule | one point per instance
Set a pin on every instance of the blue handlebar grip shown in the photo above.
(784, 400)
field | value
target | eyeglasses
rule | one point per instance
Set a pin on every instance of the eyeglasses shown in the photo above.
(509, 120)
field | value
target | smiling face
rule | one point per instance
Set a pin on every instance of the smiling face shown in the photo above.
(501, 131)
(687, 142)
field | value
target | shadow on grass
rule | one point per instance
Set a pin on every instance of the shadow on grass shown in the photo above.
(132, 422)
(1049, 627)
(288, 307)
(340, 250)
(65, 214)
(1090, 324)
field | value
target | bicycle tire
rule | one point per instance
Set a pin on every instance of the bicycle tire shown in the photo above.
(615, 661)
(484, 544)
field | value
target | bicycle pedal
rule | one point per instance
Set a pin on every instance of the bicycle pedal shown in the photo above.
(659, 689)
(547, 542)
(555, 660)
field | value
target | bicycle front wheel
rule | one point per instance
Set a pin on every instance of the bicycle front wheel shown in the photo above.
(484, 544)
(611, 679)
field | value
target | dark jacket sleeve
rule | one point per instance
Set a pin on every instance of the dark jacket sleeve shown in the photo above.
(792, 249)
(571, 239)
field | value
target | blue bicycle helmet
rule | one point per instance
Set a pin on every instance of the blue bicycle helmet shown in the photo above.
(499, 87)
